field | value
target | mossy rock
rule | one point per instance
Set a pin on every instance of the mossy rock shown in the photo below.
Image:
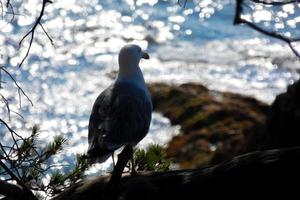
(214, 125)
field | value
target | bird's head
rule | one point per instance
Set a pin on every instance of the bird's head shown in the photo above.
(130, 56)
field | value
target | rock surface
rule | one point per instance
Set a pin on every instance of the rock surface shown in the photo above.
(219, 125)
(283, 124)
(257, 175)
(215, 126)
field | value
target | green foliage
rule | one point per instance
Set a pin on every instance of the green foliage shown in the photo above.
(59, 181)
(54, 147)
(78, 171)
(153, 159)
(30, 164)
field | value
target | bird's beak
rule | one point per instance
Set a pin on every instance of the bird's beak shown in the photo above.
(145, 55)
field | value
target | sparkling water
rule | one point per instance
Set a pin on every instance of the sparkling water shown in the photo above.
(195, 43)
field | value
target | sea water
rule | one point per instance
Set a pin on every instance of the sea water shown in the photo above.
(196, 43)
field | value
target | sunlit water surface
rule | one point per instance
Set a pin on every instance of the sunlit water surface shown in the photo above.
(197, 43)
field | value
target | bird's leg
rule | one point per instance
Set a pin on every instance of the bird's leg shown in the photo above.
(113, 159)
(114, 163)
(123, 158)
(133, 171)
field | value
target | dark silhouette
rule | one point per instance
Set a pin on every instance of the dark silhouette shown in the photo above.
(121, 114)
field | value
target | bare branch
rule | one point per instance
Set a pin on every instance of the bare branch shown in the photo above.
(294, 50)
(48, 36)
(12, 131)
(7, 3)
(13, 134)
(4, 152)
(270, 33)
(184, 4)
(239, 20)
(238, 12)
(12, 12)
(0, 77)
(16, 84)
(32, 31)
(276, 3)
(5, 101)
(18, 114)
(2, 10)
(7, 126)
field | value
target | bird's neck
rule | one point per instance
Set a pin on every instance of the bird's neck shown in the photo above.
(133, 75)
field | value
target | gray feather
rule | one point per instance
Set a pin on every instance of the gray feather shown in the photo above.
(121, 115)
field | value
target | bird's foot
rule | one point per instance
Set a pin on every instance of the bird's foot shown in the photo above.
(134, 173)
(110, 172)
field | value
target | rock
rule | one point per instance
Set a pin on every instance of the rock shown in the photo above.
(256, 175)
(283, 124)
(214, 125)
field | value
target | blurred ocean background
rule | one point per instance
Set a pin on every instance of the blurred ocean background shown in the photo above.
(195, 43)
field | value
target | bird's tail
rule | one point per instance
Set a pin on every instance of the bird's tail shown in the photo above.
(97, 157)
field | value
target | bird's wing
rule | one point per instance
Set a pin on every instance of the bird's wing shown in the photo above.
(121, 115)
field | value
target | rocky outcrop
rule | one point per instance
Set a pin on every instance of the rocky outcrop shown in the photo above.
(257, 175)
(283, 123)
(214, 125)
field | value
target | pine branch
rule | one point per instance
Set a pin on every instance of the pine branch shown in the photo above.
(55, 146)
(154, 158)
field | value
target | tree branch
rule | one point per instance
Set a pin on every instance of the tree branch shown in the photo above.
(11, 191)
(184, 4)
(14, 177)
(276, 3)
(32, 31)
(288, 40)
(2, 10)
(239, 20)
(16, 84)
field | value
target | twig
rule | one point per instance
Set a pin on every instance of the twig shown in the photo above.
(48, 36)
(16, 84)
(12, 131)
(5, 153)
(293, 49)
(7, 126)
(274, 34)
(12, 11)
(5, 101)
(238, 12)
(184, 4)
(32, 31)
(269, 33)
(1, 76)
(276, 3)
(17, 114)
(2, 10)
(7, 3)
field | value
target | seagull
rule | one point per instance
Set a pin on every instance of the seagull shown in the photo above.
(121, 114)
